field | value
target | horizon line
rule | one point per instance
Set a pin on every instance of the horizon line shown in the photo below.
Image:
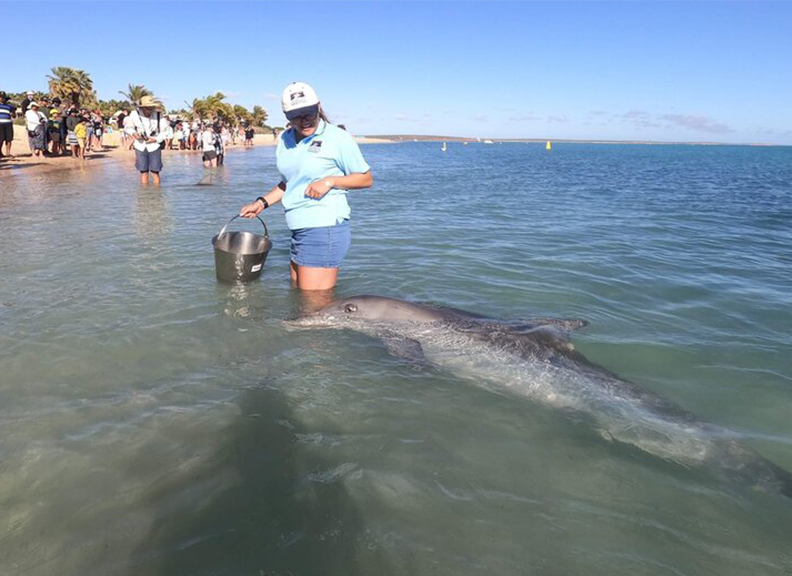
(431, 138)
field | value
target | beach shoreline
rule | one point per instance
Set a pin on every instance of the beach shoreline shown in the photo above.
(22, 158)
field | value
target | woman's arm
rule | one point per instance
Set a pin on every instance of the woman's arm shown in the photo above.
(272, 197)
(356, 181)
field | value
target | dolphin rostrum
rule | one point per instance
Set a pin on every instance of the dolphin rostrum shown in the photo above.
(535, 358)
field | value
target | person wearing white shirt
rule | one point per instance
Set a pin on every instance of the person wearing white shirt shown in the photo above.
(169, 136)
(129, 130)
(178, 136)
(185, 135)
(208, 147)
(151, 130)
(36, 123)
(196, 129)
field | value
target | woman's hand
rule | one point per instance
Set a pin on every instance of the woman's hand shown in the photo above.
(319, 188)
(251, 210)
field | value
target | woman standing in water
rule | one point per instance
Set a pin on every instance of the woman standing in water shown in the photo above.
(318, 163)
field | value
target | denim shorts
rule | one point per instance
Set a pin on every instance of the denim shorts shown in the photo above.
(146, 161)
(323, 247)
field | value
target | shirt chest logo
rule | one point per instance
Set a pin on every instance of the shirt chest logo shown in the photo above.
(315, 146)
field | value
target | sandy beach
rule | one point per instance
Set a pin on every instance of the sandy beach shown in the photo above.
(23, 159)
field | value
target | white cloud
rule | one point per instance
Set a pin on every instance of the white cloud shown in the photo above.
(772, 132)
(696, 122)
(636, 115)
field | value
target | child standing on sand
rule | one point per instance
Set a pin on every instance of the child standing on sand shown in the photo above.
(54, 131)
(80, 131)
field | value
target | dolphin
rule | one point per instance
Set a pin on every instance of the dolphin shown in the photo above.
(206, 180)
(535, 358)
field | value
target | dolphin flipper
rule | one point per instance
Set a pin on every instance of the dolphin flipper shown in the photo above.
(406, 349)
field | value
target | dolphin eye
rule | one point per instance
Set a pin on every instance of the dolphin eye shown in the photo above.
(350, 308)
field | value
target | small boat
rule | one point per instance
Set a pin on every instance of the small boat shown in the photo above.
(464, 143)
(548, 146)
(443, 147)
(488, 142)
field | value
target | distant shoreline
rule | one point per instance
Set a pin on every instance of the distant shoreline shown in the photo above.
(424, 138)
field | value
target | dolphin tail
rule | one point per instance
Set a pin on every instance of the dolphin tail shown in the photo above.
(763, 474)
(783, 479)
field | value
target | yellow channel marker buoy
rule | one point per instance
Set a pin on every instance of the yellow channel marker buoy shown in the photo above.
(548, 146)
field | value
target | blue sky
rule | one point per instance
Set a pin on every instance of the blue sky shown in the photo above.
(664, 71)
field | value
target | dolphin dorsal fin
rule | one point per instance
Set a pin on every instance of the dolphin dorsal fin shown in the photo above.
(563, 324)
(552, 332)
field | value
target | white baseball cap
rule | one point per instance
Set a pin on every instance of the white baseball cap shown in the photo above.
(298, 95)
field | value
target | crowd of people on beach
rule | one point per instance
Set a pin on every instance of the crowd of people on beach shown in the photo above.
(56, 128)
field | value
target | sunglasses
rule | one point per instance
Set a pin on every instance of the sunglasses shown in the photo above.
(308, 113)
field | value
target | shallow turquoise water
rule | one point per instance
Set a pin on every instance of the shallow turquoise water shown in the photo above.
(153, 421)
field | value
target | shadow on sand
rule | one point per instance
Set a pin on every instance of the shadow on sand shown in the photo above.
(273, 519)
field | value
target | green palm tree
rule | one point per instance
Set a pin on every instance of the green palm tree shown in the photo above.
(242, 113)
(198, 109)
(135, 92)
(259, 115)
(70, 84)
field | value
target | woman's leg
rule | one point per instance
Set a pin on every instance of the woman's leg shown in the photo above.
(315, 284)
(309, 278)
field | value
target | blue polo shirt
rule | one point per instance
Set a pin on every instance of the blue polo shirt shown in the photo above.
(5, 113)
(330, 151)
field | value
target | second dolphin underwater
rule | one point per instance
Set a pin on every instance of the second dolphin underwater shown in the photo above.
(535, 358)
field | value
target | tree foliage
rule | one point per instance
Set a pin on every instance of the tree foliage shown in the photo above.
(75, 87)
(70, 84)
(135, 92)
(259, 116)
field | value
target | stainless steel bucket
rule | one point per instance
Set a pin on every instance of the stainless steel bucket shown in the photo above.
(240, 256)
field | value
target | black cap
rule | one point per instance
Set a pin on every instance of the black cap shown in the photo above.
(3, 94)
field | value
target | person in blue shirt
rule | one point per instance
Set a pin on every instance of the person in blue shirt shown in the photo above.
(7, 115)
(319, 163)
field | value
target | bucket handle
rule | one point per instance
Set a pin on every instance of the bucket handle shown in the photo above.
(222, 231)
